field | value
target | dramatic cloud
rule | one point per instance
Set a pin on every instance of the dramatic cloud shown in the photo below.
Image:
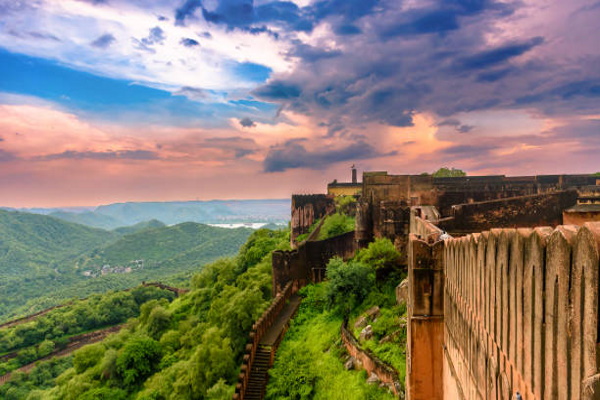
(293, 154)
(489, 58)
(104, 41)
(103, 155)
(278, 90)
(224, 91)
(188, 42)
(247, 122)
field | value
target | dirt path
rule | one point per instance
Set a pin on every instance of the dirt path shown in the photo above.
(75, 343)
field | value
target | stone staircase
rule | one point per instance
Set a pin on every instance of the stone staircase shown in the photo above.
(259, 375)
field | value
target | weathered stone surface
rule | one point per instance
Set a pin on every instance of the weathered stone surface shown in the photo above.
(348, 365)
(366, 333)
(361, 322)
(402, 292)
(520, 314)
(373, 379)
(372, 312)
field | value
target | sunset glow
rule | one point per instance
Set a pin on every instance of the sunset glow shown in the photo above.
(123, 100)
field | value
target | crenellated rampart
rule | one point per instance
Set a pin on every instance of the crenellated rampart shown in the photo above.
(520, 314)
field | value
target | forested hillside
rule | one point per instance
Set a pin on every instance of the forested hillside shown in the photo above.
(44, 260)
(188, 349)
(88, 218)
(35, 244)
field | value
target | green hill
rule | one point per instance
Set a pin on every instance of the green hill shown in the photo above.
(38, 244)
(140, 226)
(88, 218)
(179, 246)
(44, 260)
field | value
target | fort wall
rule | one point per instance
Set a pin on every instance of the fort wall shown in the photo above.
(306, 209)
(308, 262)
(524, 211)
(443, 193)
(370, 363)
(425, 330)
(521, 313)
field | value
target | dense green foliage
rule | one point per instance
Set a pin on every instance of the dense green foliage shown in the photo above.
(446, 172)
(38, 338)
(43, 259)
(188, 349)
(380, 253)
(336, 224)
(349, 284)
(33, 383)
(309, 363)
(140, 226)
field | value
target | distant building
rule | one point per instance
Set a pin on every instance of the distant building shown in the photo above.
(353, 188)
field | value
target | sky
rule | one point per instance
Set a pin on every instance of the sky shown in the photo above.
(107, 101)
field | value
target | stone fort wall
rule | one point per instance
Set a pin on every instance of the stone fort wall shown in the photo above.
(519, 311)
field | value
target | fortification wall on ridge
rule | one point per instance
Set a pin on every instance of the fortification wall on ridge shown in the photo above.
(306, 209)
(308, 262)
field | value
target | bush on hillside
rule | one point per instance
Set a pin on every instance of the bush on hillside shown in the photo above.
(349, 284)
(380, 253)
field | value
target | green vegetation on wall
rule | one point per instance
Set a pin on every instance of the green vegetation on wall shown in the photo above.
(335, 225)
(446, 172)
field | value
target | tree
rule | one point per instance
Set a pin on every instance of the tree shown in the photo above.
(335, 225)
(139, 360)
(379, 254)
(446, 172)
(213, 360)
(349, 284)
(87, 357)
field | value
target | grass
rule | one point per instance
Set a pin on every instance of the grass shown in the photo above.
(309, 362)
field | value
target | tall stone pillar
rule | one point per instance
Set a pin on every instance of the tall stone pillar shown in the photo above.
(425, 347)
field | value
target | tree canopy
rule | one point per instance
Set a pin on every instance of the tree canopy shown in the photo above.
(446, 172)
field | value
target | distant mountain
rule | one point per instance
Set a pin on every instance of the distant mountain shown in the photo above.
(140, 226)
(45, 260)
(116, 215)
(39, 244)
(88, 218)
(214, 211)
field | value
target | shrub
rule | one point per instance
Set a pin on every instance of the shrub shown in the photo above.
(139, 359)
(349, 284)
(380, 253)
(335, 225)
